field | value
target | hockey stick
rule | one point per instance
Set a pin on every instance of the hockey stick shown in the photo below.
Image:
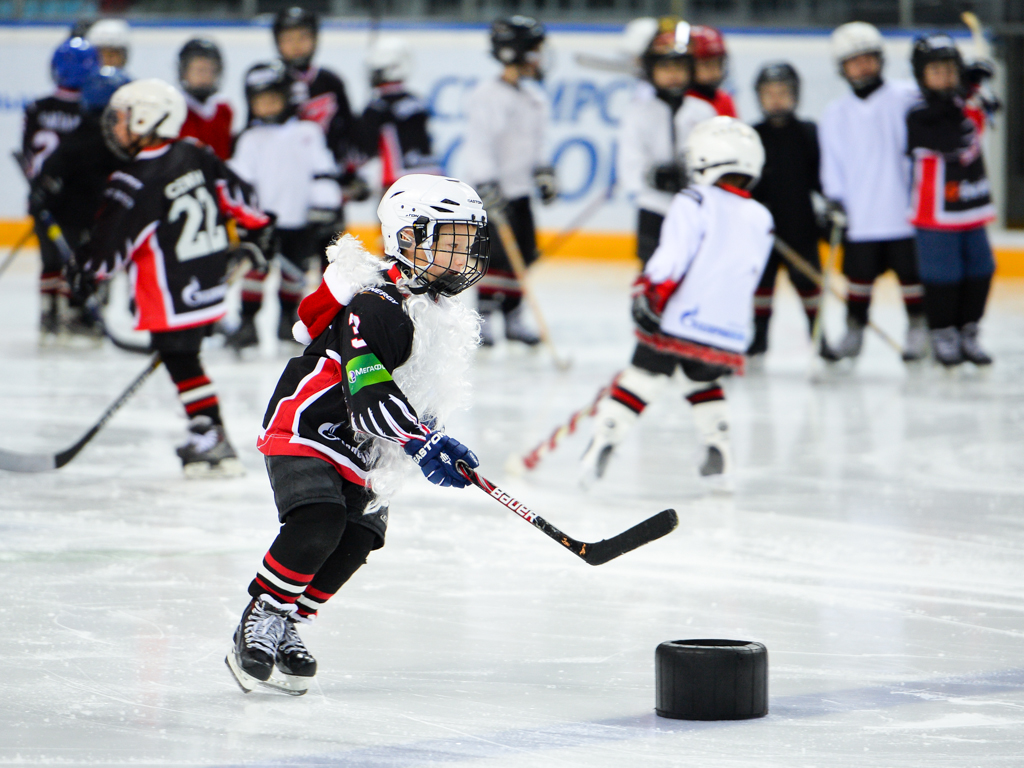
(9, 259)
(515, 256)
(806, 268)
(818, 340)
(593, 553)
(42, 462)
(576, 224)
(981, 48)
(516, 464)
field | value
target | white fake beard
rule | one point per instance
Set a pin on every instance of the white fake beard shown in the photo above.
(434, 379)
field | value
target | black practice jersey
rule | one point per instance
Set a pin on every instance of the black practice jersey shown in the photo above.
(71, 181)
(47, 121)
(164, 216)
(319, 95)
(341, 390)
(394, 127)
(790, 174)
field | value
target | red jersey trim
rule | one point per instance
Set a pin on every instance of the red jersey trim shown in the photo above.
(692, 350)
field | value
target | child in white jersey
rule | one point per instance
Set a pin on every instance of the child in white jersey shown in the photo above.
(693, 302)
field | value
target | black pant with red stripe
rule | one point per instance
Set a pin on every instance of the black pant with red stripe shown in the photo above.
(179, 352)
(865, 261)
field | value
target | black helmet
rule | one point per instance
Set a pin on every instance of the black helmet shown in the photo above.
(297, 18)
(512, 39)
(779, 72)
(199, 48)
(929, 48)
(269, 77)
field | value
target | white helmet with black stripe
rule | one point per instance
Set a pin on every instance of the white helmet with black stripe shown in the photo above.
(723, 145)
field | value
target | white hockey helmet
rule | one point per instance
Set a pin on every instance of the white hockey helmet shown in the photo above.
(637, 36)
(410, 213)
(389, 60)
(854, 39)
(720, 146)
(110, 33)
(153, 106)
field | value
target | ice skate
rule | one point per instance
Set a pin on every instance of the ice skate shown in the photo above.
(296, 666)
(254, 645)
(916, 345)
(80, 330)
(49, 321)
(208, 452)
(851, 343)
(284, 327)
(595, 461)
(946, 347)
(244, 336)
(715, 471)
(612, 420)
(970, 347)
(517, 328)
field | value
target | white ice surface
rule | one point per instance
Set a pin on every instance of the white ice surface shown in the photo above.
(875, 545)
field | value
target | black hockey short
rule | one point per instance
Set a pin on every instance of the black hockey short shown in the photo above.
(648, 233)
(520, 219)
(652, 360)
(866, 260)
(189, 340)
(298, 481)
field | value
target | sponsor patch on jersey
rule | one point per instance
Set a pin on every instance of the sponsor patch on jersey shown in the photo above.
(363, 371)
(382, 294)
(184, 183)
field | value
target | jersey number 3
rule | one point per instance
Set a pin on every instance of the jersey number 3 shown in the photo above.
(201, 235)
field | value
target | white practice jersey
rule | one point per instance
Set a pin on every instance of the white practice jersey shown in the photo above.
(864, 161)
(714, 244)
(284, 162)
(650, 135)
(505, 136)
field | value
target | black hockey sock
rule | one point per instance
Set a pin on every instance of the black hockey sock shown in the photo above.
(349, 556)
(973, 297)
(858, 299)
(195, 390)
(308, 537)
(706, 395)
(913, 298)
(632, 401)
(942, 304)
(252, 292)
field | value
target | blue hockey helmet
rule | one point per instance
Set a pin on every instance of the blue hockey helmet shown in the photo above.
(73, 61)
(100, 86)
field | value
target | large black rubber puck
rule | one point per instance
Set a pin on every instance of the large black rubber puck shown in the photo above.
(711, 679)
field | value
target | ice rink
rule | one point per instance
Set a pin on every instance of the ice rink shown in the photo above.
(875, 544)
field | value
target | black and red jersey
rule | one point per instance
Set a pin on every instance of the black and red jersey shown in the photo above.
(394, 127)
(163, 215)
(47, 121)
(341, 390)
(319, 96)
(951, 190)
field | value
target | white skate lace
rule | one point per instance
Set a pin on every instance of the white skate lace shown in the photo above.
(263, 630)
(291, 642)
(204, 441)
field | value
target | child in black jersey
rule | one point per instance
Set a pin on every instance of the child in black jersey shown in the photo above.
(789, 179)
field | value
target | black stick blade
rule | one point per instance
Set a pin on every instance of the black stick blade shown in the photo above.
(652, 528)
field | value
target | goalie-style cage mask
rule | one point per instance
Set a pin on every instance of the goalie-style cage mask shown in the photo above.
(436, 228)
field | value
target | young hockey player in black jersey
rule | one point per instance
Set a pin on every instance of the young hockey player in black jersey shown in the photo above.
(393, 126)
(287, 161)
(503, 157)
(388, 351)
(47, 122)
(790, 176)
(952, 201)
(163, 218)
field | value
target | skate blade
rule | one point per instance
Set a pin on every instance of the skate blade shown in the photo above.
(290, 684)
(245, 681)
(202, 470)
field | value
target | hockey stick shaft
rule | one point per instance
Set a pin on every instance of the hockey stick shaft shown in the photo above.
(515, 257)
(24, 462)
(9, 258)
(593, 553)
(808, 270)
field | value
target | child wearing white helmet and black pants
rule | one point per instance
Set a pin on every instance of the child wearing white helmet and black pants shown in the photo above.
(692, 303)
(387, 354)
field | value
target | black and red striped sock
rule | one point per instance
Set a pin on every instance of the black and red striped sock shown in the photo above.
(706, 395)
(625, 397)
(195, 390)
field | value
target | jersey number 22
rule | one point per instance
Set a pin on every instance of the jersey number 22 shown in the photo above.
(201, 235)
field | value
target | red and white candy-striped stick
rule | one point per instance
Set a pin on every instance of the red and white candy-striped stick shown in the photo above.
(517, 464)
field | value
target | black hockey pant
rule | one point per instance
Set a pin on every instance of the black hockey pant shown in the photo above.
(864, 261)
(499, 289)
(294, 247)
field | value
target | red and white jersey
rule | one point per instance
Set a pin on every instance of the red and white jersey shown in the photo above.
(291, 168)
(650, 135)
(714, 244)
(722, 101)
(864, 163)
(209, 123)
(505, 136)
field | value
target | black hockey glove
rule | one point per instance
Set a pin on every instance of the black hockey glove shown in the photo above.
(647, 305)
(834, 215)
(490, 196)
(436, 456)
(260, 242)
(670, 177)
(977, 72)
(81, 282)
(42, 194)
(547, 183)
(324, 223)
(354, 188)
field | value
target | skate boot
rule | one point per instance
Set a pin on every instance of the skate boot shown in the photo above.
(759, 344)
(486, 329)
(517, 329)
(296, 666)
(712, 422)
(49, 320)
(82, 328)
(852, 342)
(946, 346)
(244, 336)
(595, 460)
(916, 345)
(971, 348)
(208, 452)
(257, 636)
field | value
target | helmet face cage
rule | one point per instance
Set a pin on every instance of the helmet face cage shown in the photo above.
(450, 266)
(199, 49)
(781, 72)
(513, 39)
(930, 49)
